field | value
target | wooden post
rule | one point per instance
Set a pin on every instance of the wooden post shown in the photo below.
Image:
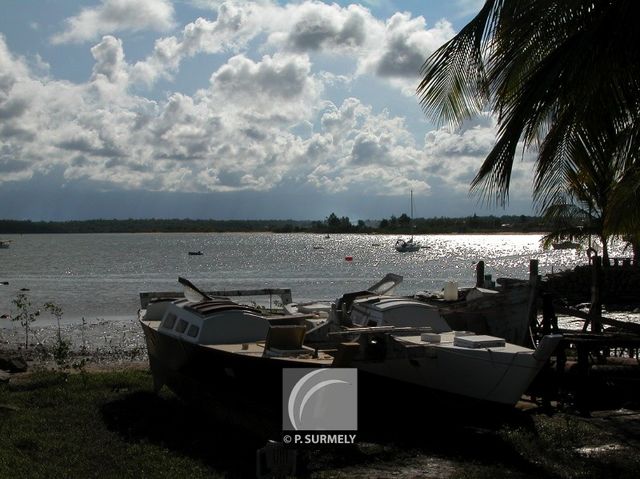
(548, 314)
(533, 298)
(533, 269)
(582, 402)
(480, 274)
(549, 324)
(595, 312)
(561, 361)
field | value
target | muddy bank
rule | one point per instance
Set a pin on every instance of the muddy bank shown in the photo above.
(95, 341)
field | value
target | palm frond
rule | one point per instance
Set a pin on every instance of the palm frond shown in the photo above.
(563, 77)
(454, 84)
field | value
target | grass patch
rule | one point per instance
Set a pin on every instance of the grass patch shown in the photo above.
(555, 445)
(110, 424)
(106, 425)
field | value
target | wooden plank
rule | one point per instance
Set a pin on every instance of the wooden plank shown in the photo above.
(632, 327)
(381, 329)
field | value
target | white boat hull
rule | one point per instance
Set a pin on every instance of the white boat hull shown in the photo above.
(486, 375)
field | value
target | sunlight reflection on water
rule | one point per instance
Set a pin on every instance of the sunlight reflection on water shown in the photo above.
(98, 275)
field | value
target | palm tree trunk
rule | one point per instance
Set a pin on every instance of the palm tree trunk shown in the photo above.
(605, 251)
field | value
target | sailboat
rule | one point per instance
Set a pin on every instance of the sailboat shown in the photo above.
(407, 246)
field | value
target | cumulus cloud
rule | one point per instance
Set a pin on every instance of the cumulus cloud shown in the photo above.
(260, 124)
(393, 50)
(238, 134)
(319, 26)
(278, 86)
(232, 29)
(113, 16)
(359, 150)
(452, 158)
(406, 45)
(110, 68)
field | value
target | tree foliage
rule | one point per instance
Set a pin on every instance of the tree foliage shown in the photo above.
(563, 79)
(331, 224)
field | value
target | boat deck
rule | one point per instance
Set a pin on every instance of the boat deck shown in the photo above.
(257, 350)
(446, 341)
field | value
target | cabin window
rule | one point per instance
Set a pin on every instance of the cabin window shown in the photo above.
(182, 326)
(193, 331)
(170, 322)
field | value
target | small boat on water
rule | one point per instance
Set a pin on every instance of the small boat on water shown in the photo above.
(408, 246)
(4, 244)
(566, 245)
(195, 253)
(204, 342)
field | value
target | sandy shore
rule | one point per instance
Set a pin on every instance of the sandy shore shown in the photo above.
(97, 341)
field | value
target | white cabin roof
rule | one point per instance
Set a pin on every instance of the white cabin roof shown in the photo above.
(397, 311)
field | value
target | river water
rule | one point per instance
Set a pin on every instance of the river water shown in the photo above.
(100, 275)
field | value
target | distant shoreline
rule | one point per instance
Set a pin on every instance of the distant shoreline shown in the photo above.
(371, 233)
(401, 226)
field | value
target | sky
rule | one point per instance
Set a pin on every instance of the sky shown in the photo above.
(232, 110)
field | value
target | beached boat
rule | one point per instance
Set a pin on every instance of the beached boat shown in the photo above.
(320, 310)
(502, 312)
(409, 342)
(202, 342)
(215, 340)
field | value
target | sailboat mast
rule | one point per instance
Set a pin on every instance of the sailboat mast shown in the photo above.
(411, 218)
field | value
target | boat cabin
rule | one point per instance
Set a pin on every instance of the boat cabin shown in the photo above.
(213, 322)
(221, 321)
(399, 312)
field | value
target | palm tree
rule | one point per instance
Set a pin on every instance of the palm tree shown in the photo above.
(563, 78)
(575, 221)
(581, 190)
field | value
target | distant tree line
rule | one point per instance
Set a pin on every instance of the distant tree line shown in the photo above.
(151, 226)
(469, 224)
(331, 224)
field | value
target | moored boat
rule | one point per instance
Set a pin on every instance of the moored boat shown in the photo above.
(409, 245)
(566, 245)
